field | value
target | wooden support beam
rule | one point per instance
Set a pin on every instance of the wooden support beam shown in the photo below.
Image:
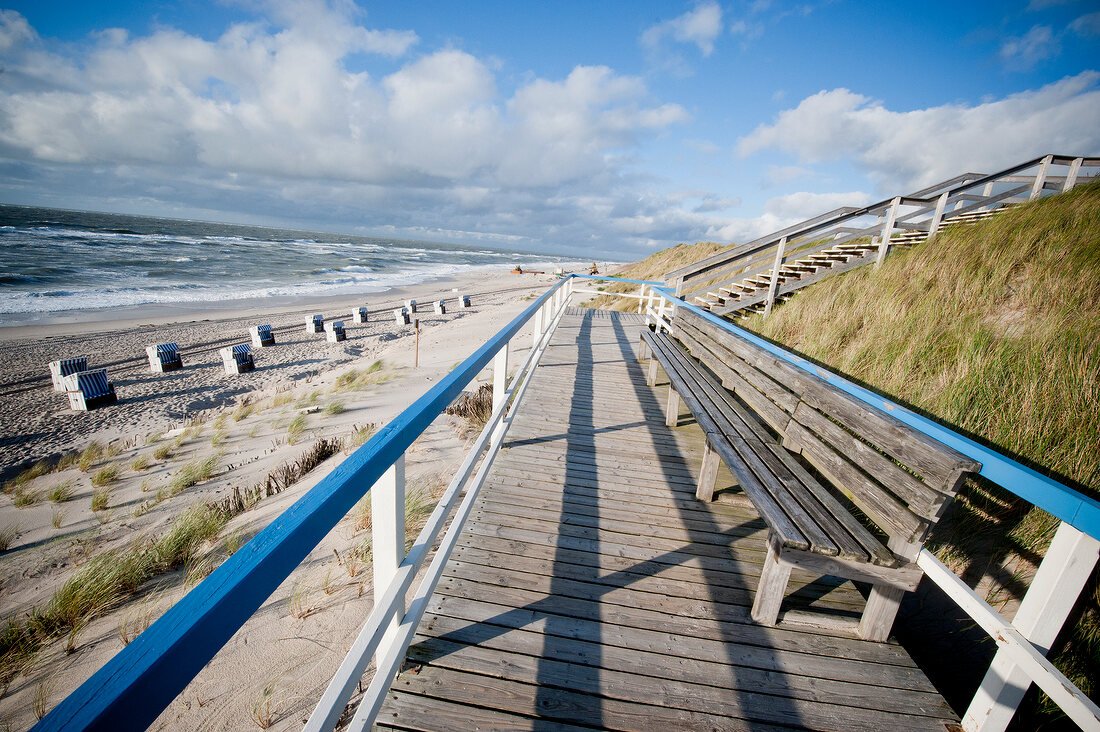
(884, 237)
(937, 217)
(1071, 176)
(1040, 178)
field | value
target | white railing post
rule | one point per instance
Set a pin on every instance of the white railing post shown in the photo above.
(1071, 176)
(987, 191)
(1040, 178)
(773, 286)
(641, 299)
(937, 218)
(1057, 584)
(387, 511)
(662, 303)
(500, 375)
(536, 328)
(887, 229)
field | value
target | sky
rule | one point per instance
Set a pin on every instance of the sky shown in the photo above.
(587, 128)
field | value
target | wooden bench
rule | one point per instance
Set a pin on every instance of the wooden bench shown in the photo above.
(845, 489)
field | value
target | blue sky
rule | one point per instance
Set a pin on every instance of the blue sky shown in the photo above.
(611, 128)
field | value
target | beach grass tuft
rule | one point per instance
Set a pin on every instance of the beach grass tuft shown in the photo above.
(40, 468)
(141, 462)
(101, 498)
(361, 379)
(61, 492)
(106, 475)
(335, 407)
(193, 473)
(242, 411)
(89, 456)
(295, 429)
(7, 536)
(360, 435)
(24, 497)
(164, 452)
(474, 407)
(57, 518)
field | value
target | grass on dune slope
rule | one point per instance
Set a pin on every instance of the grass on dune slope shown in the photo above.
(994, 329)
(653, 268)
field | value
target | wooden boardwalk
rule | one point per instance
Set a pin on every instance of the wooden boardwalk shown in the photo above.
(591, 590)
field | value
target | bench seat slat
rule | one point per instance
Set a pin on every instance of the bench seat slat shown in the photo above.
(823, 518)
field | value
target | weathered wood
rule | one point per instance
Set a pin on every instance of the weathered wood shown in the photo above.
(590, 587)
(773, 586)
(709, 472)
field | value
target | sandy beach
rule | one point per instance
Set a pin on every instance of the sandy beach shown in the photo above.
(246, 427)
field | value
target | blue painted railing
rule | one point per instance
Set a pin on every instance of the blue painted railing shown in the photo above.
(142, 679)
(1057, 499)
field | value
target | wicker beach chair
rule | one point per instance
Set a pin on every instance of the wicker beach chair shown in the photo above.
(360, 315)
(89, 389)
(401, 315)
(237, 359)
(334, 331)
(164, 357)
(465, 299)
(262, 336)
(66, 366)
(410, 305)
(440, 307)
(315, 324)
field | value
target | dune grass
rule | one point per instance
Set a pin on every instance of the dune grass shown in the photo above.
(106, 475)
(335, 407)
(651, 268)
(993, 329)
(90, 456)
(295, 430)
(362, 378)
(101, 584)
(193, 473)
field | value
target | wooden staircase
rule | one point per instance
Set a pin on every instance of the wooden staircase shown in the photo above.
(741, 298)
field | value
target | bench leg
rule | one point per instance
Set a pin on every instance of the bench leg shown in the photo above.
(651, 375)
(672, 408)
(878, 616)
(642, 346)
(772, 588)
(708, 474)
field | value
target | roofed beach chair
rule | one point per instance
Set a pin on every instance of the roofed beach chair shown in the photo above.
(89, 389)
(440, 307)
(164, 357)
(401, 315)
(262, 336)
(360, 315)
(237, 359)
(334, 331)
(315, 324)
(465, 301)
(410, 305)
(60, 369)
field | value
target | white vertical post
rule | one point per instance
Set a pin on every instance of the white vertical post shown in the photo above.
(1054, 590)
(641, 299)
(1071, 176)
(937, 217)
(773, 286)
(662, 303)
(536, 327)
(387, 511)
(1040, 178)
(500, 375)
(987, 191)
(887, 228)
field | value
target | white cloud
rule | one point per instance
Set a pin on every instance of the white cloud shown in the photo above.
(804, 205)
(777, 175)
(1087, 25)
(268, 119)
(700, 26)
(1022, 53)
(923, 146)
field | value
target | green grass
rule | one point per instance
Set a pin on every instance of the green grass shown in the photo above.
(362, 378)
(308, 400)
(193, 473)
(993, 329)
(103, 583)
(360, 435)
(101, 498)
(105, 476)
(61, 492)
(42, 467)
(7, 536)
(141, 462)
(333, 408)
(164, 452)
(295, 429)
(219, 438)
(242, 411)
(23, 497)
(90, 456)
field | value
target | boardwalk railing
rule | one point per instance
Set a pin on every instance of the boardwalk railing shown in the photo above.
(139, 682)
(920, 213)
(1022, 643)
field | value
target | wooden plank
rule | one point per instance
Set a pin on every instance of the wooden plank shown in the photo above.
(747, 695)
(407, 711)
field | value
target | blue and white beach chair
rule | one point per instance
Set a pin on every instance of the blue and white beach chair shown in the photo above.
(410, 305)
(164, 357)
(334, 331)
(315, 324)
(262, 336)
(401, 315)
(237, 359)
(89, 389)
(66, 366)
(440, 307)
(360, 315)
(465, 301)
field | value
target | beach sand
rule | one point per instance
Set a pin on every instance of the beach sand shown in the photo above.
(275, 668)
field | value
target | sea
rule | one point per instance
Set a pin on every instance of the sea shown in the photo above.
(56, 262)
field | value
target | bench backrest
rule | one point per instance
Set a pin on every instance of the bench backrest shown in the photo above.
(167, 352)
(335, 326)
(264, 331)
(901, 478)
(241, 352)
(68, 366)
